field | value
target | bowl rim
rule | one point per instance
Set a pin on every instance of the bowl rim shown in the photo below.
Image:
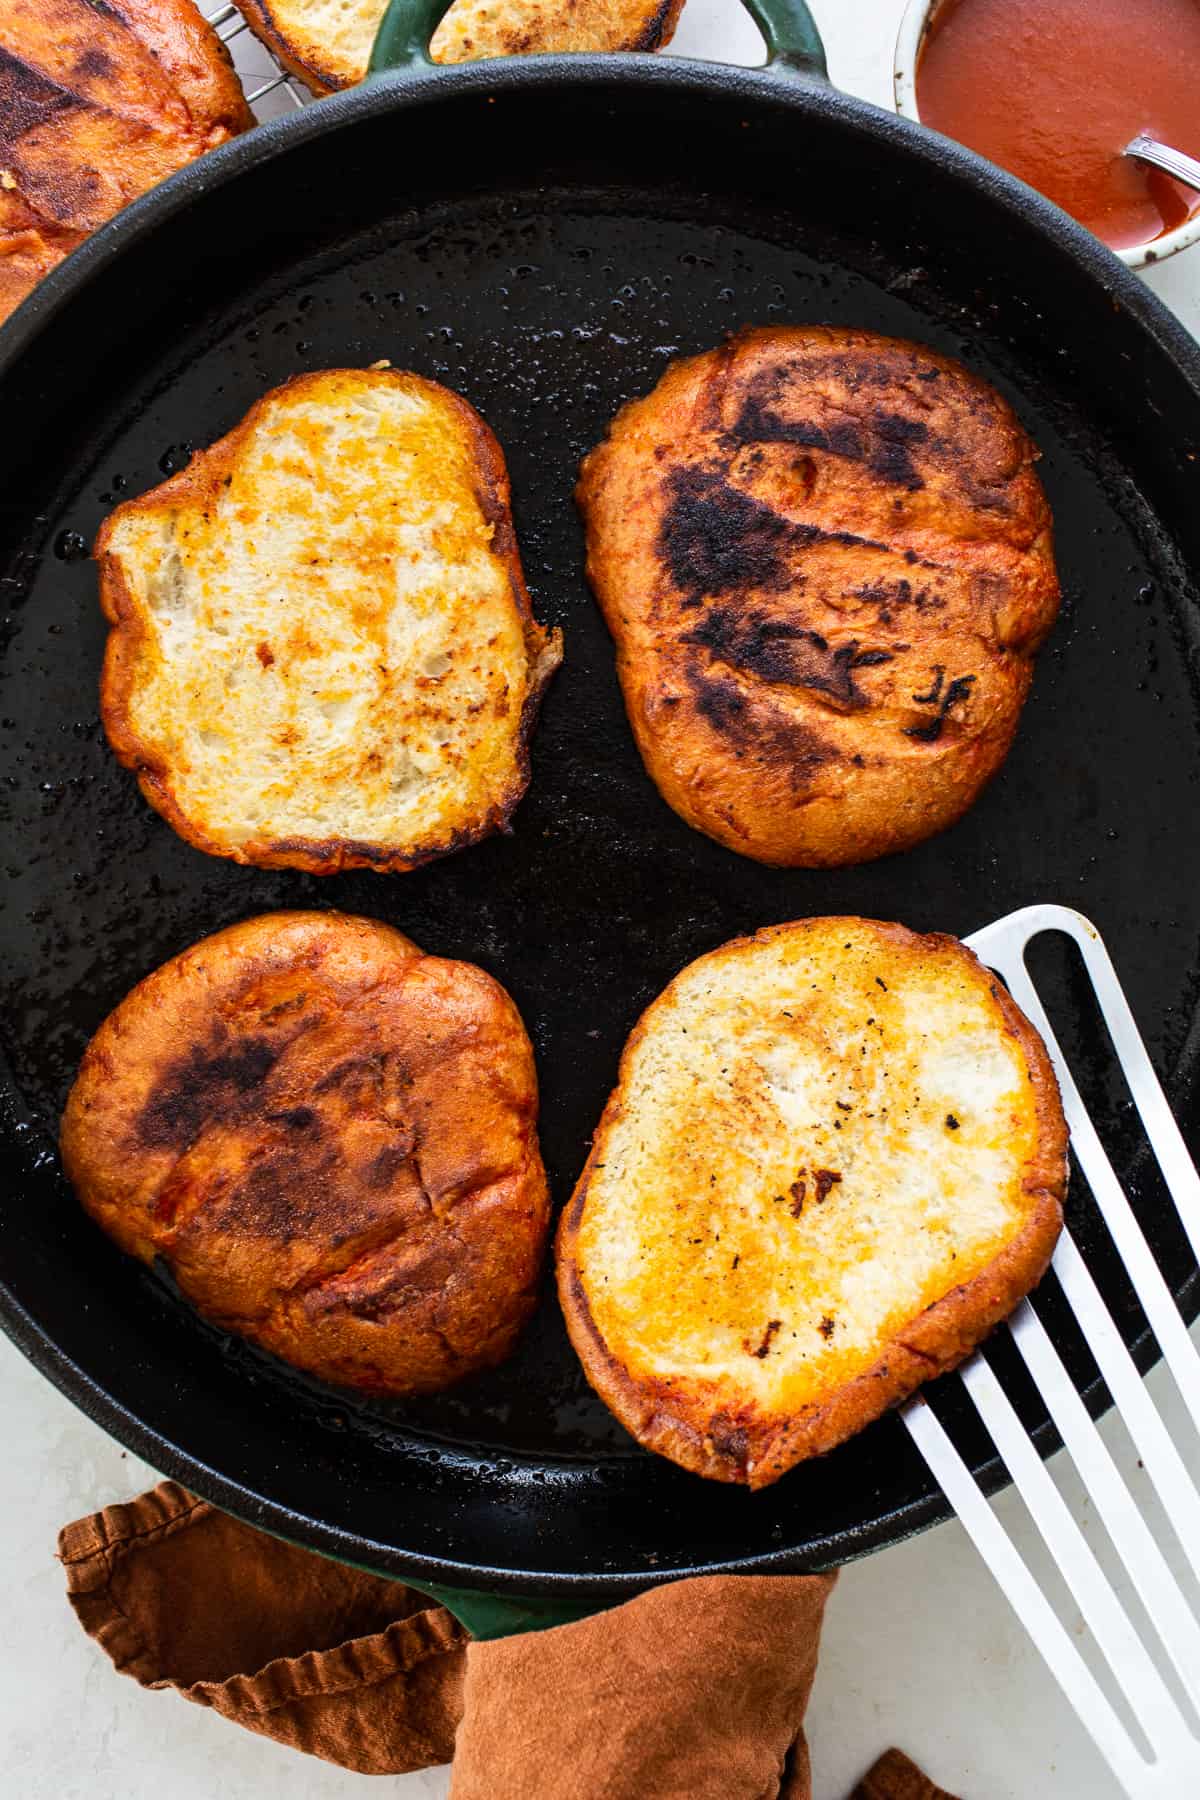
(915, 23)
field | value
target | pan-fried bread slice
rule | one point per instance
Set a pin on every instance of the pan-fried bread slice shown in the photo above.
(323, 655)
(825, 559)
(97, 103)
(834, 1160)
(327, 42)
(329, 1138)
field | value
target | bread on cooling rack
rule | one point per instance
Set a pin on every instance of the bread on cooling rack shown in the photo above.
(98, 104)
(328, 44)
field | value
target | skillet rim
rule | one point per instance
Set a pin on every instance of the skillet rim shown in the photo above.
(380, 94)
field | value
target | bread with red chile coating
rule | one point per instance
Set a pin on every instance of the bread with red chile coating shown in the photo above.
(330, 1139)
(99, 103)
(825, 559)
(834, 1160)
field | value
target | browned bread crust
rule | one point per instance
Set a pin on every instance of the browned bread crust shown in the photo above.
(311, 62)
(328, 45)
(825, 559)
(236, 491)
(97, 104)
(330, 1139)
(719, 1426)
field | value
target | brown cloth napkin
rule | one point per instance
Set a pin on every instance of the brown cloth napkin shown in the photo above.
(693, 1691)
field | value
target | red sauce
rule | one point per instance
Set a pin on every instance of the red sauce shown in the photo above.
(1053, 90)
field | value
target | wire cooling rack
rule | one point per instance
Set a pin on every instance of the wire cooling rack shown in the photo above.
(269, 90)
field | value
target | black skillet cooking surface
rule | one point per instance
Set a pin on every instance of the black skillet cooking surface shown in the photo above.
(546, 245)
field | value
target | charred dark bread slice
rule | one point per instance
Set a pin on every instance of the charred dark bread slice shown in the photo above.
(97, 104)
(322, 652)
(825, 559)
(330, 1139)
(834, 1160)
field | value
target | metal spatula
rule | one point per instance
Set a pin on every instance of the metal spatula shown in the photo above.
(1171, 1770)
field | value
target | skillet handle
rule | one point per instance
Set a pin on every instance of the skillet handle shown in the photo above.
(794, 47)
(493, 1616)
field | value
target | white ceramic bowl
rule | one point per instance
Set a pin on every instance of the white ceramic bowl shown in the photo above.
(918, 16)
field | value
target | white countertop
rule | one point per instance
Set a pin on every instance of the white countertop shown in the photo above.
(920, 1648)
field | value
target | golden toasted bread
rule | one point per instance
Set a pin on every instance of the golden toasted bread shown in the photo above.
(834, 1160)
(330, 1139)
(327, 43)
(825, 559)
(322, 654)
(97, 103)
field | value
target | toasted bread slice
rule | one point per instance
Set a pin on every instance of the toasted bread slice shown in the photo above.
(327, 43)
(97, 103)
(825, 558)
(330, 1139)
(323, 655)
(834, 1160)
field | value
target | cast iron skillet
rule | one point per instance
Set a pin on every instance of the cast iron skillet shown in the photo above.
(545, 234)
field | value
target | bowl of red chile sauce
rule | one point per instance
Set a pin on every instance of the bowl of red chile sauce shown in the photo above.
(1053, 90)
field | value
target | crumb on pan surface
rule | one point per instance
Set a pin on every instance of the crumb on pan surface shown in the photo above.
(330, 1139)
(825, 558)
(323, 654)
(834, 1160)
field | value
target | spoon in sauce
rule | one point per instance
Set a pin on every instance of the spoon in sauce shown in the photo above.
(1172, 162)
(1054, 91)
